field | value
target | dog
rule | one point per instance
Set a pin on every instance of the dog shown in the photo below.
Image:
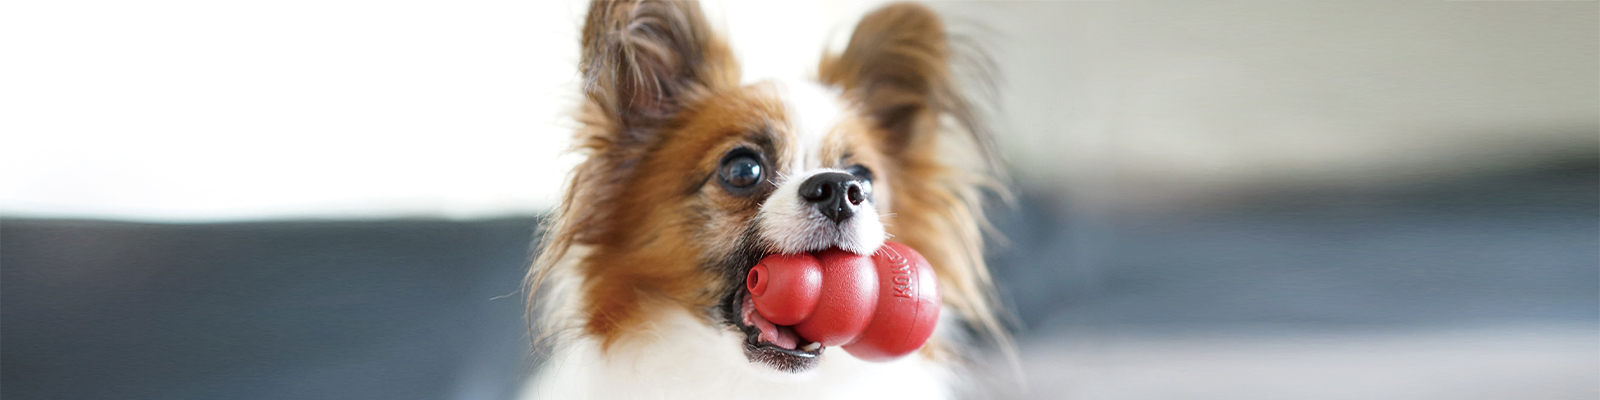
(691, 176)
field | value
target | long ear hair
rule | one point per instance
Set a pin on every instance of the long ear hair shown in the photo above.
(898, 65)
(642, 62)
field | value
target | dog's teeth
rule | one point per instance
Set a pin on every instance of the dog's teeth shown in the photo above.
(812, 347)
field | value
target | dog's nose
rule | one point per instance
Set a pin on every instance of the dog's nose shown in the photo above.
(836, 195)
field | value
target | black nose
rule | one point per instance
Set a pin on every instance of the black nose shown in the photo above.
(836, 195)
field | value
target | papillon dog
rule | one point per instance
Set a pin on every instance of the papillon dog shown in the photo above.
(690, 176)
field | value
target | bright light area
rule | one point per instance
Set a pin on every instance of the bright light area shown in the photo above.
(173, 110)
(187, 110)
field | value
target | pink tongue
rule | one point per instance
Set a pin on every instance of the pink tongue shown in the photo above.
(780, 336)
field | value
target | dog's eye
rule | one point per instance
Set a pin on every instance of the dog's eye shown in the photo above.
(860, 171)
(741, 172)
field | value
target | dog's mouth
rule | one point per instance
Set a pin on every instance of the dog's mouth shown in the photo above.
(777, 346)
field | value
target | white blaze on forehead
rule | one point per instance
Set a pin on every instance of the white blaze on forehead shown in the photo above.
(813, 110)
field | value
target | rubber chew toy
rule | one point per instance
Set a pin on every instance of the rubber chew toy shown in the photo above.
(878, 308)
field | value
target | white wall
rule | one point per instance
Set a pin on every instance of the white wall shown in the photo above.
(174, 110)
(203, 110)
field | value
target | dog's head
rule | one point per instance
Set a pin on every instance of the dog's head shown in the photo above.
(691, 177)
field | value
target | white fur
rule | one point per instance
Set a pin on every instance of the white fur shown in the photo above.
(681, 357)
(813, 110)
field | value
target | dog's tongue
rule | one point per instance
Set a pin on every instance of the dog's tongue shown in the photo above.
(878, 308)
(782, 336)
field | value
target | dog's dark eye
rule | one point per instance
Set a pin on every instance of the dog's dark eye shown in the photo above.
(741, 171)
(860, 171)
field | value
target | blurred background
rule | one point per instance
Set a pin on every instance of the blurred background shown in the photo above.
(1220, 200)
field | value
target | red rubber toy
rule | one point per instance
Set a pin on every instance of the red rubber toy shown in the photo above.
(907, 309)
(787, 291)
(878, 308)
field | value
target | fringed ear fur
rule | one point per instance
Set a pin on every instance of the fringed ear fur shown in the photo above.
(644, 60)
(898, 64)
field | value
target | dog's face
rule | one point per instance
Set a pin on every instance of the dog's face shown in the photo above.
(692, 177)
(771, 167)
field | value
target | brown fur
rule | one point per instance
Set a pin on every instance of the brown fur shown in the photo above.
(663, 106)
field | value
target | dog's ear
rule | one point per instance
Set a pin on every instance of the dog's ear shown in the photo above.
(897, 65)
(643, 60)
